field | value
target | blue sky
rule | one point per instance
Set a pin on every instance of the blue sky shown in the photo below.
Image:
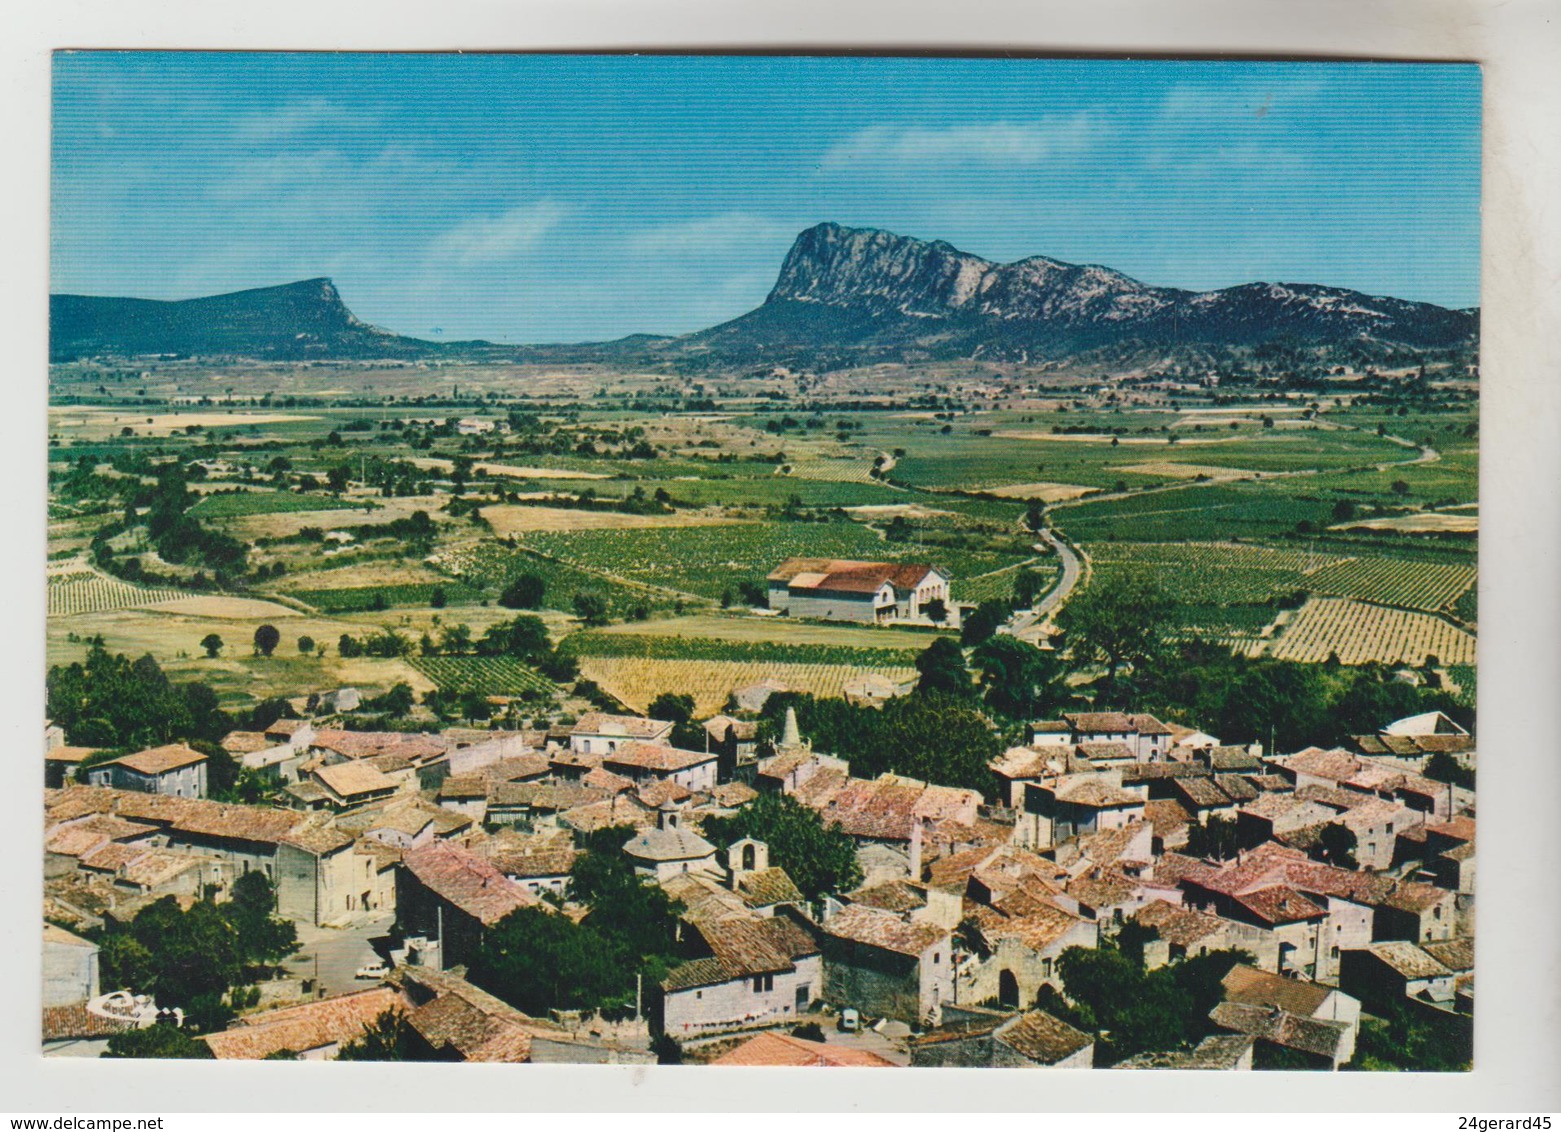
(568, 198)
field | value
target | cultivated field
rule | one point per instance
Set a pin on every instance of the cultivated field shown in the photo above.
(1360, 633)
(512, 519)
(637, 681)
(88, 591)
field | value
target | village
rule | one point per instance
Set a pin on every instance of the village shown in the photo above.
(1131, 892)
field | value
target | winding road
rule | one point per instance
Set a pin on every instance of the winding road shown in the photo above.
(1031, 624)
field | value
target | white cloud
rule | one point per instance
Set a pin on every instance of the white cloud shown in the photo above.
(1005, 143)
(297, 117)
(490, 239)
(722, 232)
(1225, 104)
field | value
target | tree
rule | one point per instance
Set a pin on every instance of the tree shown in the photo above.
(266, 639)
(525, 591)
(1343, 511)
(1443, 767)
(396, 702)
(1400, 487)
(678, 709)
(124, 961)
(1214, 839)
(306, 644)
(212, 644)
(161, 1040)
(1336, 846)
(524, 637)
(942, 668)
(591, 608)
(981, 622)
(263, 937)
(1119, 619)
(195, 954)
(1020, 680)
(937, 611)
(387, 1038)
(818, 858)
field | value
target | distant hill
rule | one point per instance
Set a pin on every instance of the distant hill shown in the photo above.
(844, 297)
(296, 320)
(865, 295)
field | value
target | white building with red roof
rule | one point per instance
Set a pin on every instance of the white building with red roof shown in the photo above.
(842, 589)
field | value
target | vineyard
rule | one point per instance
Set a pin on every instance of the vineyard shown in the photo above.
(491, 565)
(708, 562)
(87, 591)
(1417, 585)
(230, 504)
(833, 471)
(1225, 573)
(637, 681)
(361, 598)
(483, 675)
(712, 649)
(1360, 634)
(998, 585)
(1211, 573)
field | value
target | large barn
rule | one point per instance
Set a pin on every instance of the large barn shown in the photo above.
(838, 589)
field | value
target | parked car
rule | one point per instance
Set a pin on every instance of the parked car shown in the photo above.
(850, 1020)
(375, 970)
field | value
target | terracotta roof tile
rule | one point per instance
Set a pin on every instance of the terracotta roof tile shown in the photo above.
(784, 1050)
(309, 1026)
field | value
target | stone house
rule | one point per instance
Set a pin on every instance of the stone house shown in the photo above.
(972, 1038)
(1393, 970)
(70, 967)
(647, 762)
(753, 971)
(886, 966)
(175, 769)
(598, 733)
(451, 895)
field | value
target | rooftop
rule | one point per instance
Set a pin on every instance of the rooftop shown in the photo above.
(331, 1021)
(466, 881)
(888, 932)
(784, 1050)
(161, 760)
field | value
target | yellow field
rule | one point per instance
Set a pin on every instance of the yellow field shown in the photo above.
(281, 525)
(1362, 633)
(86, 422)
(638, 681)
(1045, 492)
(173, 639)
(514, 518)
(1425, 521)
(223, 607)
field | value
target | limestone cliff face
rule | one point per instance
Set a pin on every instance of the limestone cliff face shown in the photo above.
(881, 274)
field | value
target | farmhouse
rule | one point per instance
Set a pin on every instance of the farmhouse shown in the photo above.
(838, 589)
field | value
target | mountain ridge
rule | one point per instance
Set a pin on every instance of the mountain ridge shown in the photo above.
(842, 297)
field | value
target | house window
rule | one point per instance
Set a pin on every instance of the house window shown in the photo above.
(1436, 912)
(937, 957)
(763, 983)
(699, 994)
(1333, 952)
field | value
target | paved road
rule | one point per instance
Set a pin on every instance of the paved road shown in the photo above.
(340, 951)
